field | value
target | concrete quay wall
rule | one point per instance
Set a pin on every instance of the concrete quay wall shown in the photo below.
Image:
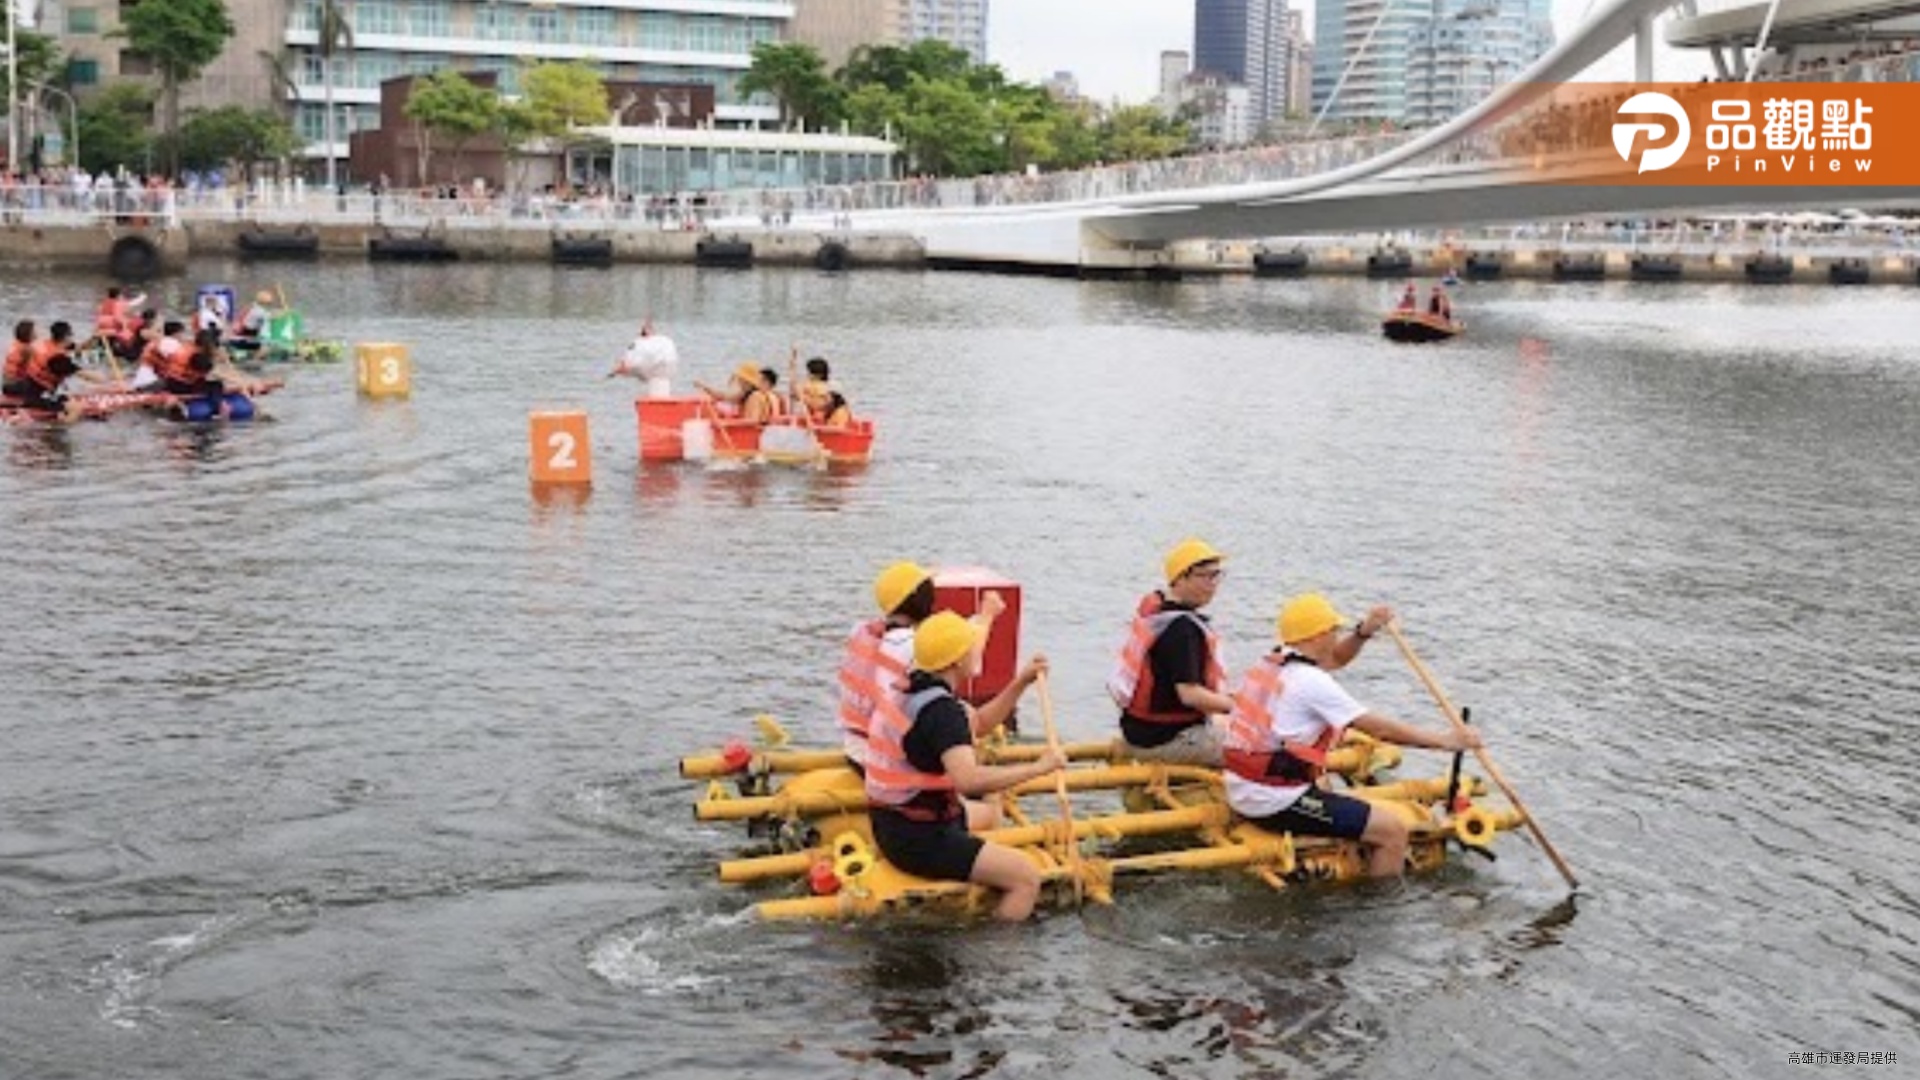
(134, 249)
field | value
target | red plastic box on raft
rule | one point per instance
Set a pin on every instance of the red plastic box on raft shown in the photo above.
(961, 590)
(660, 424)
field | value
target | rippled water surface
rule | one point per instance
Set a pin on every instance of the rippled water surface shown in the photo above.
(330, 751)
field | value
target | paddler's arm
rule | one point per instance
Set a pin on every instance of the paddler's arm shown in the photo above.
(1348, 646)
(1211, 702)
(994, 713)
(1387, 729)
(973, 779)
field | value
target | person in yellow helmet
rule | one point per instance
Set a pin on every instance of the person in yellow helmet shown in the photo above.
(879, 651)
(1289, 711)
(1168, 680)
(921, 760)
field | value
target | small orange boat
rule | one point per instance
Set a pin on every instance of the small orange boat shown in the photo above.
(690, 429)
(1419, 326)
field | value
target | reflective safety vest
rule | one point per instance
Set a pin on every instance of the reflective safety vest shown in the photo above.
(867, 675)
(1131, 684)
(892, 780)
(1252, 751)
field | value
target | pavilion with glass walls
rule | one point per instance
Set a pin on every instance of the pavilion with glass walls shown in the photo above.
(663, 160)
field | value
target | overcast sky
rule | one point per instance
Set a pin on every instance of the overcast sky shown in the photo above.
(1113, 46)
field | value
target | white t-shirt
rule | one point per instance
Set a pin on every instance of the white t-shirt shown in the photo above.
(1310, 702)
(210, 319)
(896, 645)
(654, 359)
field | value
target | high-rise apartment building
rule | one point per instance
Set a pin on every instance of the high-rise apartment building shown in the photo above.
(1251, 42)
(1360, 51)
(835, 28)
(957, 22)
(707, 42)
(1462, 49)
(1174, 66)
(1421, 61)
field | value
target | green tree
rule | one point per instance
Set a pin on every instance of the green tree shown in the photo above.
(181, 37)
(335, 36)
(894, 67)
(212, 138)
(561, 97)
(795, 74)
(447, 103)
(38, 62)
(1140, 133)
(280, 81)
(554, 99)
(947, 130)
(116, 127)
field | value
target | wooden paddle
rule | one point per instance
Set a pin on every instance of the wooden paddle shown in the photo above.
(1060, 790)
(1459, 725)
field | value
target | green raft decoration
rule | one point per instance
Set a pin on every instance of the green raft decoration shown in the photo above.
(807, 810)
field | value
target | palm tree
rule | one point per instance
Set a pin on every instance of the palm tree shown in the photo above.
(335, 33)
(281, 83)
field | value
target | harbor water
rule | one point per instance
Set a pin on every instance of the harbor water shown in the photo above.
(332, 751)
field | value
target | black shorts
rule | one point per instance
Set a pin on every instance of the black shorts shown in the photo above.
(940, 850)
(1320, 813)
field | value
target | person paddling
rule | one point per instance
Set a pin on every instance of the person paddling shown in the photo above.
(921, 761)
(1169, 680)
(747, 391)
(1289, 712)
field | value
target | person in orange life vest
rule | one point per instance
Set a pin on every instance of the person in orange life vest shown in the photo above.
(110, 317)
(839, 413)
(772, 381)
(880, 651)
(1168, 680)
(147, 363)
(1410, 300)
(920, 761)
(47, 366)
(1289, 711)
(817, 392)
(1439, 304)
(747, 391)
(134, 334)
(18, 352)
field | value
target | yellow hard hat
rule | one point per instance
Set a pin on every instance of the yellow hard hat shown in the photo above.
(1188, 554)
(942, 641)
(896, 583)
(750, 375)
(1306, 617)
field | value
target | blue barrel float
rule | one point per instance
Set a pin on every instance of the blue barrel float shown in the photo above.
(201, 409)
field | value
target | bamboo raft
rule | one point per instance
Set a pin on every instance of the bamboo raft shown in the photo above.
(811, 809)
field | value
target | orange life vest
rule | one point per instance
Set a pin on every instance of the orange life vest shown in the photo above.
(18, 353)
(38, 369)
(109, 315)
(1131, 684)
(892, 780)
(1251, 747)
(867, 675)
(179, 367)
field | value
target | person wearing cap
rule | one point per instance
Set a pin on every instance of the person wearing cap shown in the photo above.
(920, 761)
(879, 651)
(747, 391)
(1168, 680)
(1289, 711)
(652, 358)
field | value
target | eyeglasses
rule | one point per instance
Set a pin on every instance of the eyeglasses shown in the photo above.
(1214, 574)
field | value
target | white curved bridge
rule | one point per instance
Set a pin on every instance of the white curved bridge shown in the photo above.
(1394, 190)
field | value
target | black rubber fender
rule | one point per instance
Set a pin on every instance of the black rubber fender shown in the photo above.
(832, 257)
(133, 258)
